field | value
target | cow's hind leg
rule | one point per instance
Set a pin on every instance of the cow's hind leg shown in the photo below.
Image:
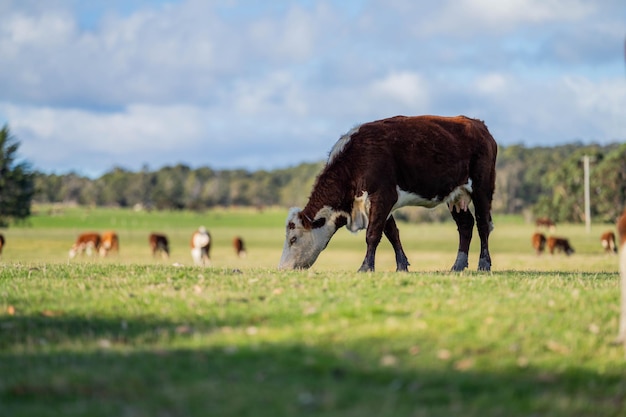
(484, 224)
(465, 225)
(393, 234)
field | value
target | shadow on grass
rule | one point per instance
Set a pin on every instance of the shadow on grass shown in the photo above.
(132, 369)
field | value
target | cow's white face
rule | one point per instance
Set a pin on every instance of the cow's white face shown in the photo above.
(302, 244)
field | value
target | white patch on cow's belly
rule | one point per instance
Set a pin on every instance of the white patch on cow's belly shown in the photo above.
(406, 198)
(460, 193)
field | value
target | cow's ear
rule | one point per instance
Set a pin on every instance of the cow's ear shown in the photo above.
(317, 223)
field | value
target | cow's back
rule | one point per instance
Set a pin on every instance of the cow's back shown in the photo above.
(426, 155)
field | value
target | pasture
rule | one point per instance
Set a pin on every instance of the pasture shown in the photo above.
(136, 336)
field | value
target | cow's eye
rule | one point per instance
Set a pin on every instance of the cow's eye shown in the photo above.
(292, 240)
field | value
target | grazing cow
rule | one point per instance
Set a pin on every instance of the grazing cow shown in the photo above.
(383, 165)
(559, 244)
(539, 242)
(2, 242)
(200, 246)
(545, 222)
(159, 243)
(110, 243)
(86, 243)
(621, 230)
(239, 246)
(608, 242)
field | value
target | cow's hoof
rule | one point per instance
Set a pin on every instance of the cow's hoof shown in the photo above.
(458, 268)
(461, 262)
(484, 264)
(402, 267)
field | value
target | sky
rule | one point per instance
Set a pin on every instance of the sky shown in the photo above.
(87, 86)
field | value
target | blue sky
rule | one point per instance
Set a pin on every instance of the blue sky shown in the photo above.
(87, 86)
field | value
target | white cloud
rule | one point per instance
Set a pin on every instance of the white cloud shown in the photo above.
(136, 128)
(221, 83)
(491, 84)
(472, 17)
(406, 88)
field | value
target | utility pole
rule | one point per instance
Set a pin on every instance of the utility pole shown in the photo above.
(587, 198)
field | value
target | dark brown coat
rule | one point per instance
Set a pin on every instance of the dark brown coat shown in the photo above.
(545, 222)
(607, 240)
(86, 242)
(539, 242)
(559, 244)
(110, 242)
(239, 246)
(159, 243)
(429, 158)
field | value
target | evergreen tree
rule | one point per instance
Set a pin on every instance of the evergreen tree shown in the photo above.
(16, 181)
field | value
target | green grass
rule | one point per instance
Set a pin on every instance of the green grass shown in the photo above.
(134, 336)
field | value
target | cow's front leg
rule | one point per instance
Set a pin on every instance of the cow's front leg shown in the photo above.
(393, 234)
(465, 225)
(370, 255)
(372, 239)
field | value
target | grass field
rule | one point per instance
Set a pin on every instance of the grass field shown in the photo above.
(134, 336)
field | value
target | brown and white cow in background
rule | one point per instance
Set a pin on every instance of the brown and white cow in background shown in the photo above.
(539, 242)
(110, 242)
(621, 231)
(559, 244)
(239, 246)
(159, 244)
(2, 242)
(608, 242)
(86, 243)
(545, 222)
(383, 165)
(200, 246)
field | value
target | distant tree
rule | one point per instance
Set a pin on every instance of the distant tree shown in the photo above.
(608, 185)
(565, 202)
(16, 181)
(116, 188)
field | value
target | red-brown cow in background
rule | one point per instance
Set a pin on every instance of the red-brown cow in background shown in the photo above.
(560, 244)
(110, 243)
(240, 248)
(608, 242)
(200, 246)
(621, 230)
(86, 243)
(159, 243)
(545, 222)
(539, 242)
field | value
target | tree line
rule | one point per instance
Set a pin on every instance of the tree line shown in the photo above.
(537, 181)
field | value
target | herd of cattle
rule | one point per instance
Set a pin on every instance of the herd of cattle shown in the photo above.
(557, 244)
(108, 242)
